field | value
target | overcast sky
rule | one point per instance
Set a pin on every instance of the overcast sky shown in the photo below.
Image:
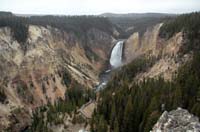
(80, 7)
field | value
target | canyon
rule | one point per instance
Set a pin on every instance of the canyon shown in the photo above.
(39, 71)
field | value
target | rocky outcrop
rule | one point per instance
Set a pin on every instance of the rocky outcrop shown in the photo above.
(178, 120)
(32, 72)
(137, 45)
(150, 44)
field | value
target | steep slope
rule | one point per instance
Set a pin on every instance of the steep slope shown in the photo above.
(137, 45)
(37, 75)
(151, 44)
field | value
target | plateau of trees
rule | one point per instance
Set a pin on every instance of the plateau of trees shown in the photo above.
(131, 24)
(18, 26)
(189, 25)
(76, 24)
(185, 22)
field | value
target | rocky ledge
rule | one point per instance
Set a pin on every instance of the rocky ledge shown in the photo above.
(179, 120)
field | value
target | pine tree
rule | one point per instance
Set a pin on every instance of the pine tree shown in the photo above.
(116, 126)
(113, 115)
(177, 100)
(128, 116)
(102, 126)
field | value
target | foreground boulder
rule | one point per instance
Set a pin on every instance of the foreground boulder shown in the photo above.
(179, 120)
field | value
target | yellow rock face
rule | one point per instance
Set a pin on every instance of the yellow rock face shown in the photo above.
(150, 44)
(48, 50)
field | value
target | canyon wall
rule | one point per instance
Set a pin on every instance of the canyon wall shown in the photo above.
(151, 45)
(32, 72)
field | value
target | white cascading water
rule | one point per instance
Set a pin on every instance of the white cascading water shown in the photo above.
(116, 55)
(115, 61)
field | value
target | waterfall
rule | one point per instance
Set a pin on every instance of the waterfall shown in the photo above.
(116, 55)
(115, 61)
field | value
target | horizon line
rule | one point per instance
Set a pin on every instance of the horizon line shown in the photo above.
(97, 14)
